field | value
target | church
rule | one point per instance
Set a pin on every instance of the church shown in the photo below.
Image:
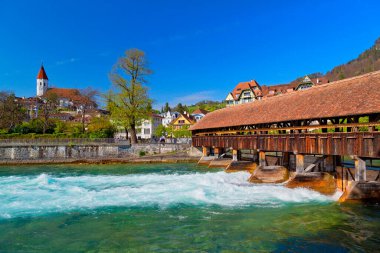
(69, 101)
(67, 98)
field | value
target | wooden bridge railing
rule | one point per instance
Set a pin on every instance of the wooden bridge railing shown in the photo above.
(364, 144)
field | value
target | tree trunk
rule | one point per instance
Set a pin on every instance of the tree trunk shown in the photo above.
(133, 135)
(126, 133)
(83, 114)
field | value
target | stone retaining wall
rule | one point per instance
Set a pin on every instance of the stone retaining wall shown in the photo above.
(48, 153)
(58, 152)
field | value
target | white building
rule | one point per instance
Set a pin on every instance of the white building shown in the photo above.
(168, 117)
(42, 82)
(149, 126)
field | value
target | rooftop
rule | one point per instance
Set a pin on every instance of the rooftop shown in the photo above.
(353, 96)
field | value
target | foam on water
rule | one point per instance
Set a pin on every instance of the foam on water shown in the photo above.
(38, 195)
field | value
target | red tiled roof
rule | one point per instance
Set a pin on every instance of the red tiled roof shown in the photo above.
(320, 80)
(70, 94)
(282, 88)
(42, 74)
(200, 111)
(245, 86)
(353, 96)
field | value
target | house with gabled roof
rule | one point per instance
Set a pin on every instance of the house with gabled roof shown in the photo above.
(184, 120)
(308, 82)
(244, 92)
(199, 113)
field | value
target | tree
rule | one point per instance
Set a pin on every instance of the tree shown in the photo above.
(87, 101)
(180, 108)
(167, 107)
(12, 112)
(48, 107)
(160, 131)
(129, 102)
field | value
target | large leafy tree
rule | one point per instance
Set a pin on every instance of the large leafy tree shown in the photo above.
(129, 102)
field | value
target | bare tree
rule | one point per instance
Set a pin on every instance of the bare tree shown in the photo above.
(11, 111)
(47, 108)
(87, 101)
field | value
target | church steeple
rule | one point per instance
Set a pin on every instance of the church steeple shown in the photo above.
(42, 82)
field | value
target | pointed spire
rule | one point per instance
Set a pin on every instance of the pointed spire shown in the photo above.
(42, 73)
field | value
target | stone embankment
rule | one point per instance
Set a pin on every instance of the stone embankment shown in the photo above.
(94, 152)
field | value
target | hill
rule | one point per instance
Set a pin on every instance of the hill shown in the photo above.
(366, 62)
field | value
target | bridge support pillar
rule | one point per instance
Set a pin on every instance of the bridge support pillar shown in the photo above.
(300, 163)
(235, 155)
(262, 161)
(205, 151)
(360, 169)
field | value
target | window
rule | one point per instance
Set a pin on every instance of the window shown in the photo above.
(247, 94)
(181, 121)
(40, 83)
(146, 131)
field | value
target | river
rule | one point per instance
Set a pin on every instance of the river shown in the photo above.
(172, 208)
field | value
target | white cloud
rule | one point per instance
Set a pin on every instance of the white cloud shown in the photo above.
(71, 60)
(194, 97)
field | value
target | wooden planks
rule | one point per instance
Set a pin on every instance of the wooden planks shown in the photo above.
(364, 144)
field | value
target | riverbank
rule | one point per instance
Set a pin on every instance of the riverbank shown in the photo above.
(178, 157)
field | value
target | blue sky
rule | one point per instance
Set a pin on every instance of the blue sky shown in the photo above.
(197, 49)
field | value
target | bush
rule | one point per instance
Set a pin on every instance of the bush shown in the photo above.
(142, 153)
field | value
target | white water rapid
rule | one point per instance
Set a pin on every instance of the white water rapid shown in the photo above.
(37, 195)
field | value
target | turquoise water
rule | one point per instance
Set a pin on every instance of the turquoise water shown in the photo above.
(172, 208)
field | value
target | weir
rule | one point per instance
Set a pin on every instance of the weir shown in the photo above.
(310, 132)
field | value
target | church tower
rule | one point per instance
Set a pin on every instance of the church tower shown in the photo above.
(42, 82)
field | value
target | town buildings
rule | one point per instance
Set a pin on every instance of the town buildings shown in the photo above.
(246, 92)
(168, 117)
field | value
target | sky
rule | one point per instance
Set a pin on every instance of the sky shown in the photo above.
(198, 50)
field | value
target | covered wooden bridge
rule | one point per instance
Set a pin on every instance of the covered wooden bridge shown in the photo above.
(338, 119)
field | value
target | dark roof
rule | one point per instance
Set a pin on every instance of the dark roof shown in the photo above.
(42, 74)
(353, 96)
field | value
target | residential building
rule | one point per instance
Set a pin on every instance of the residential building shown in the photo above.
(244, 92)
(148, 127)
(184, 120)
(168, 117)
(308, 82)
(198, 114)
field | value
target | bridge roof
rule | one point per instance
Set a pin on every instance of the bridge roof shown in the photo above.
(348, 97)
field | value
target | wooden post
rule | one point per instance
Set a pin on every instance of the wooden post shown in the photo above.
(285, 159)
(262, 161)
(235, 155)
(360, 169)
(255, 155)
(300, 163)
(204, 151)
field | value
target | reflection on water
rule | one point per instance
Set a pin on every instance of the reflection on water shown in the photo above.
(172, 208)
